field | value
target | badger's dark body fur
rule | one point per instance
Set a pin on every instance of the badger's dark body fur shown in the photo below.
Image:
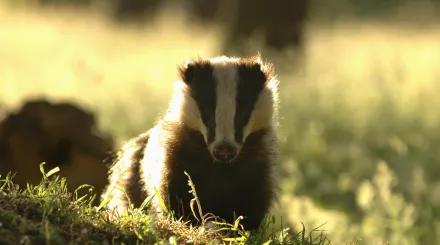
(242, 186)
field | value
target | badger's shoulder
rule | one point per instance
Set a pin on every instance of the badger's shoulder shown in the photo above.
(124, 173)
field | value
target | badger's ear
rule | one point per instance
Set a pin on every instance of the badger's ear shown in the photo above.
(258, 71)
(257, 63)
(187, 71)
(264, 67)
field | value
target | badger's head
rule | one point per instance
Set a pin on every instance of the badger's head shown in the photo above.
(226, 100)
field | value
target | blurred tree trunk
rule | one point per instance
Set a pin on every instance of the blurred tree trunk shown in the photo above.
(136, 9)
(280, 21)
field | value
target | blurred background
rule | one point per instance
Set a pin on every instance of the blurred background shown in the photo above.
(360, 117)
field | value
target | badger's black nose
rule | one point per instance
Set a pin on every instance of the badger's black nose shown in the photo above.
(224, 152)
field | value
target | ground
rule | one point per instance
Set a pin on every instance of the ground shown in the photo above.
(49, 214)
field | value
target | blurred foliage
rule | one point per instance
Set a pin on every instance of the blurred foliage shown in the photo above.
(245, 30)
(369, 151)
(373, 9)
(76, 2)
(327, 8)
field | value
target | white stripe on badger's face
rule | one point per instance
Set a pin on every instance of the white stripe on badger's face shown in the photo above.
(226, 76)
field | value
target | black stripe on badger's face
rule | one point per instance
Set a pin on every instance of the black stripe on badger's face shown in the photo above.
(203, 90)
(250, 83)
(227, 93)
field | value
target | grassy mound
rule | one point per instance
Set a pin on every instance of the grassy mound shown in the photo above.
(49, 214)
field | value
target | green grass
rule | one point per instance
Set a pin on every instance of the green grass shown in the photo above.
(49, 214)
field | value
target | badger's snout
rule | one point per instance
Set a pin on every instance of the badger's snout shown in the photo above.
(224, 152)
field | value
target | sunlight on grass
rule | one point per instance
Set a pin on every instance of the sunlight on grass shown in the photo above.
(47, 213)
(59, 54)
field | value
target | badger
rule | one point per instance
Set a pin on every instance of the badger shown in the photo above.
(221, 129)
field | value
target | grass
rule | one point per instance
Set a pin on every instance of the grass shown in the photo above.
(48, 214)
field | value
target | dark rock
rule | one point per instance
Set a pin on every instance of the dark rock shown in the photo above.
(62, 135)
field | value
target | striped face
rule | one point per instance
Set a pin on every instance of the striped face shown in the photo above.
(227, 99)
